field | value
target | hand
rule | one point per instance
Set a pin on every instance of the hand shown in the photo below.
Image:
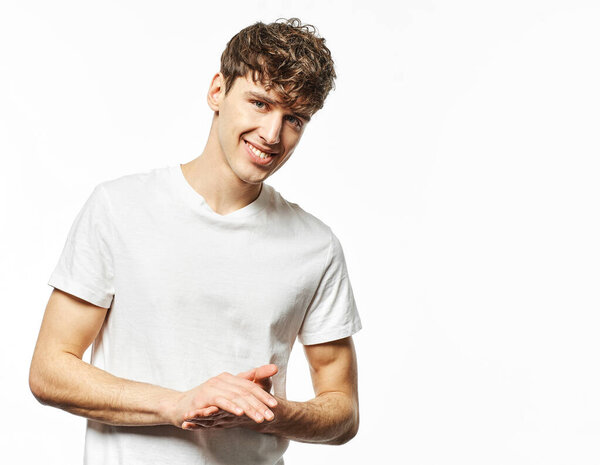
(245, 393)
(219, 419)
(261, 375)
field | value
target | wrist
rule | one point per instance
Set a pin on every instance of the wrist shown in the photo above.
(282, 412)
(167, 408)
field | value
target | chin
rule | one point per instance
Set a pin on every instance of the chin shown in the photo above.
(251, 176)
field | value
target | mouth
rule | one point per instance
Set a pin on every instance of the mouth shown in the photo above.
(259, 156)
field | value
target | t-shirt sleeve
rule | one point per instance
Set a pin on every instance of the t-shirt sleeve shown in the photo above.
(332, 312)
(85, 267)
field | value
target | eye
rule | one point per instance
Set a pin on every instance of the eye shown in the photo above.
(258, 104)
(295, 121)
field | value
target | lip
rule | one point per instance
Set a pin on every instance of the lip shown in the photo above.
(262, 149)
(256, 159)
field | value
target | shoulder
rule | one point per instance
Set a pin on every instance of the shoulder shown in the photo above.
(302, 221)
(134, 181)
(133, 188)
(312, 231)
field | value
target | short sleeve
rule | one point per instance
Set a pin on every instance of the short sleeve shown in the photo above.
(332, 312)
(85, 267)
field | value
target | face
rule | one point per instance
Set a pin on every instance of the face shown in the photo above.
(256, 134)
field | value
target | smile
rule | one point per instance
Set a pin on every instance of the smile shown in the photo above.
(258, 152)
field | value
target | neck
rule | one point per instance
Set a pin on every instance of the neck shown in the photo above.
(213, 178)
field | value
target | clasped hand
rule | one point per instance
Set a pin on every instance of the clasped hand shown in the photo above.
(228, 401)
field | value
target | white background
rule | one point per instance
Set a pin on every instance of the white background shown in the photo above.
(457, 161)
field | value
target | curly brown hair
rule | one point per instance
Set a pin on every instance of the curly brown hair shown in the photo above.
(288, 57)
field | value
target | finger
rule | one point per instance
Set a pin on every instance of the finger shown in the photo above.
(259, 410)
(225, 402)
(262, 412)
(237, 393)
(248, 374)
(262, 377)
(230, 421)
(258, 401)
(213, 416)
(245, 394)
(190, 426)
(251, 406)
(265, 371)
(223, 414)
(244, 386)
(204, 423)
(263, 396)
(203, 412)
(264, 383)
(200, 424)
(214, 420)
(258, 373)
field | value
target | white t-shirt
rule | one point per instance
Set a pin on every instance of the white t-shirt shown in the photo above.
(192, 294)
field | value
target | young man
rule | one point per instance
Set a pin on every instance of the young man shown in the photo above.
(193, 282)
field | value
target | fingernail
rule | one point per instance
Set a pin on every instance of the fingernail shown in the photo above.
(268, 415)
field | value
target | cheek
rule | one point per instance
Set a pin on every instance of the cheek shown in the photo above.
(238, 123)
(287, 155)
(229, 128)
(290, 139)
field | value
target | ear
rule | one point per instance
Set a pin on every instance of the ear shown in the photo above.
(216, 92)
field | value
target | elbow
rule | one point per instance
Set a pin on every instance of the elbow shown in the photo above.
(344, 438)
(36, 389)
(350, 433)
(38, 384)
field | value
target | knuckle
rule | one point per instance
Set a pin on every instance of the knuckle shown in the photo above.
(223, 400)
(220, 400)
(254, 397)
(239, 399)
(258, 390)
(262, 395)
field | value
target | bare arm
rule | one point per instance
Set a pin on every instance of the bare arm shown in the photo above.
(330, 418)
(60, 378)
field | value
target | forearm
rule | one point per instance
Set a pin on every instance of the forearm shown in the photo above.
(331, 418)
(67, 382)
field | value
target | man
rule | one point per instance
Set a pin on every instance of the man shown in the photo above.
(193, 282)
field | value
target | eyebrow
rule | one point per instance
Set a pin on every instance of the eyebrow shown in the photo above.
(270, 101)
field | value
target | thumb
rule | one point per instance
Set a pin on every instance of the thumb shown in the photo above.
(259, 373)
(265, 371)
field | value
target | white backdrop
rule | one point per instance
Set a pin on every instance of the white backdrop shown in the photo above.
(457, 161)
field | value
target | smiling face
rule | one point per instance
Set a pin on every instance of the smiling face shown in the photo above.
(256, 134)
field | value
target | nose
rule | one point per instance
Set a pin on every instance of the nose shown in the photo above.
(271, 128)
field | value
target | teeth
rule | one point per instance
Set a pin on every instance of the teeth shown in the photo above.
(257, 152)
